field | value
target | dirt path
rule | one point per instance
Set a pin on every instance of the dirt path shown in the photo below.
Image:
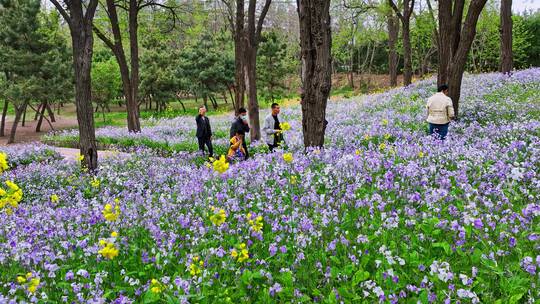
(28, 132)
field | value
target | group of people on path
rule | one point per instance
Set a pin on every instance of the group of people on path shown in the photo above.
(440, 112)
(238, 148)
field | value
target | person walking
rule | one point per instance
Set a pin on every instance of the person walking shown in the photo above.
(272, 128)
(440, 112)
(240, 123)
(204, 132)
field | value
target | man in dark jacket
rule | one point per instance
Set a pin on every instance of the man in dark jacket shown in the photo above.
(204, 131)
(241, 124)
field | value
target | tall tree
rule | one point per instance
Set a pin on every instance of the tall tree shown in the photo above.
(405, 17)
(21, 54)
(315, 43)
(455, 39)
(506, 36)
(79, 18)
(393, 33)
(247, 35)
(129, 70)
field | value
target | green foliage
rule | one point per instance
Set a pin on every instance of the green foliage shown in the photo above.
(531, 25)
(205, 69)
(106, 82)
(272, 66)
(33, 55)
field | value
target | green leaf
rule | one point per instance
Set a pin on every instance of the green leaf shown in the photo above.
(515, 298)
(445, 246)
(360, 276)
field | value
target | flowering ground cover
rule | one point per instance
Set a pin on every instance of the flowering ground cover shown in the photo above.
(383, 214)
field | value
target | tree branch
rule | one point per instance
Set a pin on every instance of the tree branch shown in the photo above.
(62, 12)
(104, 38)
(261, 20)
(396, 9)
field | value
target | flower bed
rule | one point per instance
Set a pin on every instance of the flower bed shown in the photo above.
(383, 214)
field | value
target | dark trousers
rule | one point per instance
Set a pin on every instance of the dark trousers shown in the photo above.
(272, 147)
(245, 149)
(439, 130)
(208, 142)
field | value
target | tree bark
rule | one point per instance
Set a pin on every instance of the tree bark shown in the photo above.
(506, 36)
(405, 17)
(50, 112)
(130, 79)
(132, 105)
(407, 53)
(41, 114)
(24, 115)
(393, 33)
(79, 20)
(3, 122)
(239, 47)
(18, 114)
(462, 38)
(315, 43)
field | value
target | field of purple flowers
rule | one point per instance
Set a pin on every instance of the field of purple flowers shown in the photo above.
(383, 214)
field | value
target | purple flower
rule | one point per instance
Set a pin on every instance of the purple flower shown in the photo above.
(276, 288)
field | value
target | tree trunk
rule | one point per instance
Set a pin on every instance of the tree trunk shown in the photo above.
(36, 116)
(315, 43)
(50, 112)
(3, 122)
(83, 42)
(239, 47)
(407, 61)
(251, 86)
(393, 32)
(24, 115)
(41, 114)
(18, 113)
(506, 36)
(462, 37)
(132, 105)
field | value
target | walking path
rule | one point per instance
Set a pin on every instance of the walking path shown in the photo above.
(73, 154)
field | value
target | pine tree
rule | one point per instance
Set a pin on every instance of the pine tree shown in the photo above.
(23, 52)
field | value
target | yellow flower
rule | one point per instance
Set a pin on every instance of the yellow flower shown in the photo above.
(108, 251)
(385, 122)
(95, 182)
(114, 234)
(54, 198)
(218, 218)
(3, 162)
(285, 126)
(34, 283)
(80, 157)
(294, 179)
(387, 136)
(244, 255)
(29, 275)
(108, 213)
(358, 152)
(221, 165)
(421, 154)
(382, 146)
(195, 268)
(10, 199)
(156, 286)
(21, 279)
(12, 185)
(367, 137)
(288, 157)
